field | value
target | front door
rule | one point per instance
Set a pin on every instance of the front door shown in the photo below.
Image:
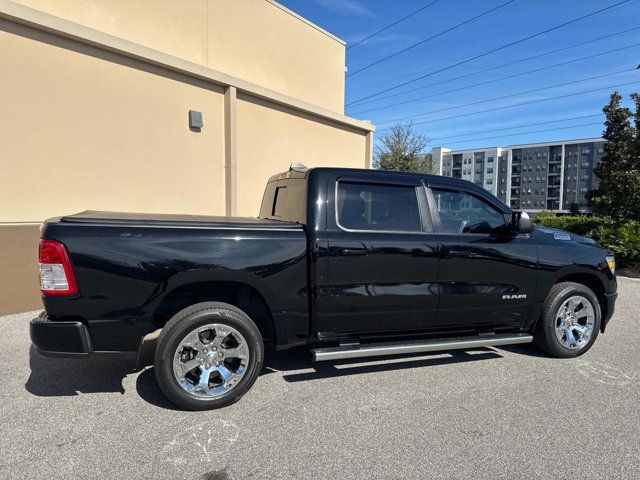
(487, 275)
(382, 257)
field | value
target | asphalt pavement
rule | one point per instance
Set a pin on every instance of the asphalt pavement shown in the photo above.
(487, 413)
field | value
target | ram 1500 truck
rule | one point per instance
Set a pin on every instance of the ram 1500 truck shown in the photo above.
(351, 263)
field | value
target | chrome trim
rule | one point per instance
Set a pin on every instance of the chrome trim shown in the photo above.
(374, 350)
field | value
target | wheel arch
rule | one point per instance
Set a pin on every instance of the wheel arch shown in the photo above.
(241, 295)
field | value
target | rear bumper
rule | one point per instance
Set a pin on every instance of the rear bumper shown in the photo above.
(59, 338)
(609, 305)
(67, 338)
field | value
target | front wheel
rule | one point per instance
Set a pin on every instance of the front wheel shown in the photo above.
(208, 356)
(570, 321)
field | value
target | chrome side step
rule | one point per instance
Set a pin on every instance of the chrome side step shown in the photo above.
(396, 348)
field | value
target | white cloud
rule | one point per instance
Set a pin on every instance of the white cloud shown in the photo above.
(345, 7)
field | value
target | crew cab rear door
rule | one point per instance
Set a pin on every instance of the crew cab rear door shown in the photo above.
(382, 256)
(487, 275)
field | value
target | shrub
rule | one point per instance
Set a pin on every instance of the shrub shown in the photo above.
(578, 224)
(622, 238)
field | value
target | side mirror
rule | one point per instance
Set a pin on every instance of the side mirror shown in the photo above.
(521, 223)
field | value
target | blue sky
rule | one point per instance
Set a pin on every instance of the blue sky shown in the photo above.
(433, 102)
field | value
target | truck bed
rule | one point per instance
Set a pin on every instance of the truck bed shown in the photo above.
(160, 219)
(135, 270)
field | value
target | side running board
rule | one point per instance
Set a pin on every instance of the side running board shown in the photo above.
(397, 348)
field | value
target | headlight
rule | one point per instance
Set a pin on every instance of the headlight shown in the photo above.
(611, 261)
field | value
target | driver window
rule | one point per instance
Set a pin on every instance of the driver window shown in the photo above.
(461, 212)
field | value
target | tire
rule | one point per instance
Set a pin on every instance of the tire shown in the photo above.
(190, 339)
(562, 330)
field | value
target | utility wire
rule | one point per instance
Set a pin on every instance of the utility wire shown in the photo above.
(525, 133)
(389, 105)
(502, 129)
(509, 96)
(421, 42)
(392, 24)
(484, 54)
(491, 68)
(520, 104)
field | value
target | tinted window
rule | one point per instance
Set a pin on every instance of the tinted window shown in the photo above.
(378, 207)
(461, 212)
(289, 201)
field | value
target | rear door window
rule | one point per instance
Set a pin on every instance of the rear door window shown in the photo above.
(376, 207)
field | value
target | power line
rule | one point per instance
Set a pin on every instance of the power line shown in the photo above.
(550, 52)
(484, 54)
(519, 104)
(502, 129)
(525, 133)
(392, 24)
(508, 96)
(389, 105)
(421, 42)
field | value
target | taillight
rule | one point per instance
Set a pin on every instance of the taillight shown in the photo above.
(56, 273)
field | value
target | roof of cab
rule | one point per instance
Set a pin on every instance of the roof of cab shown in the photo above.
(430, 179)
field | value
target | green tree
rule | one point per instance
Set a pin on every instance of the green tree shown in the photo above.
(618, 194)
(636, 99)
(400, 149)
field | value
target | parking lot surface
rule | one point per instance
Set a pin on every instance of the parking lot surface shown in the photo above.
(487, 413)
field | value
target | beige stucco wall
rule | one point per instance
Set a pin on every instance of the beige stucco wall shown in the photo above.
(270, 138)
(19, 290)
(84, 129)
(89, 122)
(268, 46)
(255, 40)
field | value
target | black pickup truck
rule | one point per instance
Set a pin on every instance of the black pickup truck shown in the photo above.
(351, 263)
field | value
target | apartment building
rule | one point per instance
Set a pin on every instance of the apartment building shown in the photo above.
(486, 167)
(531, 177)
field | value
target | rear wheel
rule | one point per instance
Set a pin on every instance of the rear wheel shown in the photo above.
(570, 320)
(208, 356)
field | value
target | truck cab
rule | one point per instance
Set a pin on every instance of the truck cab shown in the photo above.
(403, 254)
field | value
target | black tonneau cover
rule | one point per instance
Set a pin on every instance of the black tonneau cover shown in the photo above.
(127, 218)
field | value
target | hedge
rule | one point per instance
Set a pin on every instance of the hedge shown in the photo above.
(622, 238)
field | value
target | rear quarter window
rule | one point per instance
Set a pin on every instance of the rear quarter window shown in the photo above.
(285, 200)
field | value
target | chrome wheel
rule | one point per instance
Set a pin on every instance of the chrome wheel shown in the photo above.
(211, 360)
(574, 322)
